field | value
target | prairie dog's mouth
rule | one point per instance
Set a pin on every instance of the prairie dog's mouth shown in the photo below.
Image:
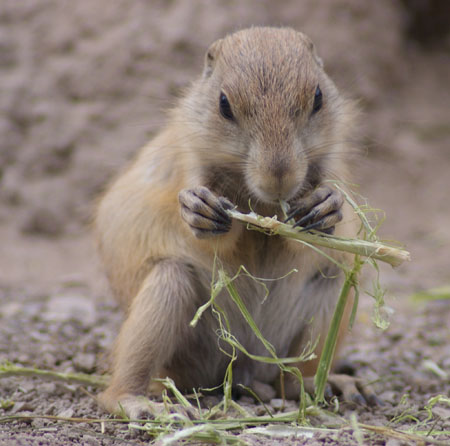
(271, 184)
(270, 189)
(273, 196)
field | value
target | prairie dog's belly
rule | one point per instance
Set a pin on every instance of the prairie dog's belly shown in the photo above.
(294, 301)
(291, 306)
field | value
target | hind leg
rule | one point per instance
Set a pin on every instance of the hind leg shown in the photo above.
(156, 326)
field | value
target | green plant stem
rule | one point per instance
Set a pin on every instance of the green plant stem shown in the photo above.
(376, 250)
(329, 348)
(8, 370)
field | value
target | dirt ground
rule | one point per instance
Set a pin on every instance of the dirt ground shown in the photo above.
(84, 84)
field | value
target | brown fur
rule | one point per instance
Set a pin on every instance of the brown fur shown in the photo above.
(161, 273)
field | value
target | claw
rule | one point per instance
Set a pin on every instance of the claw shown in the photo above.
(315, 225)
(353, 390)
(326, 223)
(373, 400)
(323, 204)
(328, 392)
(358, 399)
(348, 388)
(309, 216)
(293, 214)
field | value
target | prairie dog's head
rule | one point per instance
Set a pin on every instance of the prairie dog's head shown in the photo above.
(272, 109)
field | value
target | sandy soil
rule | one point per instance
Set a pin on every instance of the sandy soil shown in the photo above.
(84, 84)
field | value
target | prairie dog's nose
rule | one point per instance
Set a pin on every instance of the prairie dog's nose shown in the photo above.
(278, 180)
(279, 168)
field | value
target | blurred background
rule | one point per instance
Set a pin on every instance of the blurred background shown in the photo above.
(84, 84)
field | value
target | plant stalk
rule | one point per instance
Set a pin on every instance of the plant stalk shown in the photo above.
(376, 250)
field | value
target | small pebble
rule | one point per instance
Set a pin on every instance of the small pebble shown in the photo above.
(90, 440)
(388, 396)
(66, 413)
(49, 410)
(244, 399)
(260, 411)
(23, 407)
(38, 423)
(394, 442)
(84, 362)
(42, 221)
(442, 412)
(210, 401)
(276, 403)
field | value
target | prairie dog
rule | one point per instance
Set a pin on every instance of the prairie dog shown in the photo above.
(263, 123)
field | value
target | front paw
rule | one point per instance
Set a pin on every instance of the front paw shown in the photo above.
(138, 407)
(204, 212)
(320, 210)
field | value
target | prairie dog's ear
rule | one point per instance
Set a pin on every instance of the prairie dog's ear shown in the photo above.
(211, 57)
(316, 57)
(312, 48)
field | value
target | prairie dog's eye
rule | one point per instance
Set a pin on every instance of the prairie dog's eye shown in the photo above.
(225, 108)
(317, 100)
